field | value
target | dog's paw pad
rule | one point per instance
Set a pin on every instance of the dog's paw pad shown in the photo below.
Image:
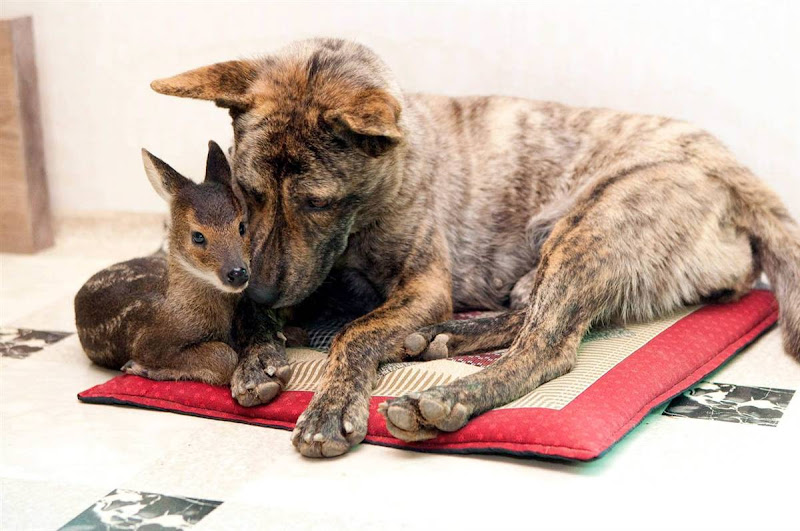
(433, 410)
(267, 391)
(415, 344)
(437, 350)
(402, 417)
(458, 417)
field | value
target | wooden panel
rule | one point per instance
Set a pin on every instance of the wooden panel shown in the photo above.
(25, 218)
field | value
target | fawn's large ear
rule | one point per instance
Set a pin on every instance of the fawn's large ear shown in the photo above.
(217, 167)
(370, 122)
(165, 180)
(225, 83)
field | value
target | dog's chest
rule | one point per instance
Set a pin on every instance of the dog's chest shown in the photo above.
(483, 277)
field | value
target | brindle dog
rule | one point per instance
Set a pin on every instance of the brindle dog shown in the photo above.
(569, 216)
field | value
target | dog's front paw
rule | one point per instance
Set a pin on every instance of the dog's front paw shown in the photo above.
(259, 378)
(332, 424)
(422, 416)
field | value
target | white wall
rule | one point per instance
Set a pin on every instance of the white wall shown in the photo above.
(731, 67)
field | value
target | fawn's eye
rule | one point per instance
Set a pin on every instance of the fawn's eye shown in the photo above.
(198, 238)
(241, 228)
(316, 203)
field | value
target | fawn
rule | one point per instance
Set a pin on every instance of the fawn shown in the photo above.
(168, 316)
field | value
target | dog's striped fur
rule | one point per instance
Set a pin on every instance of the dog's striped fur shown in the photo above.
(570, 216)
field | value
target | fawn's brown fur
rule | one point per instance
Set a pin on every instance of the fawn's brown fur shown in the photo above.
(169, 316)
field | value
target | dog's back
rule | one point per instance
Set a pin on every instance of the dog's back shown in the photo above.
(512, 168)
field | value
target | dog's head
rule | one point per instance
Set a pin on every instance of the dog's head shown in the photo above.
(318, 133)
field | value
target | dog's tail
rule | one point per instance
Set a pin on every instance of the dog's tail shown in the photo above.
(775, 238)
(777, 243)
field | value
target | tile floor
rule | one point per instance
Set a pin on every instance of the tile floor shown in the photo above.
(724, 454)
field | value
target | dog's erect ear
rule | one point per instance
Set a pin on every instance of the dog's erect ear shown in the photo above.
(165, 180)
(225, 83)
(369, 123)
(217, 167)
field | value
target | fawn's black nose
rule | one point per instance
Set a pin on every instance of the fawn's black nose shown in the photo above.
(237, 277)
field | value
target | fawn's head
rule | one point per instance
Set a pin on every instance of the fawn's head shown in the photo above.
(208, 233)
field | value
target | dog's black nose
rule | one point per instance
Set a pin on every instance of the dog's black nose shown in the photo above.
(237, 277)
(263, 295)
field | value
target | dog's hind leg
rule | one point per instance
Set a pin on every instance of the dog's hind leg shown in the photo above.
(604, 260)
(456, 337)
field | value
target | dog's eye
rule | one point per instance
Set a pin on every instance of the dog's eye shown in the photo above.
(316, 203)
(198, 238)
(241, 228)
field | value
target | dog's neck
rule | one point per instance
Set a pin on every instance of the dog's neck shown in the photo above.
(401, 172)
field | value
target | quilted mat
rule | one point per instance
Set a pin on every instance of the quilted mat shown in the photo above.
(621, 374)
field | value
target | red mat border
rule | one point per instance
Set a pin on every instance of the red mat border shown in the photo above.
(536, 424)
